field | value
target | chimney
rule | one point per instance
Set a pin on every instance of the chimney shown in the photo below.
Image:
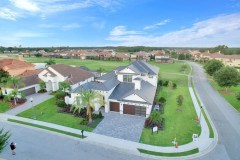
(137, 82)
(20, 57)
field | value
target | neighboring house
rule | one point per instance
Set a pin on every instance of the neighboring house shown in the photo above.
(127, 89)
(15, 67)
(144, 56)
(122, 56)
(30, 81)
(161, 57)
(54, 74)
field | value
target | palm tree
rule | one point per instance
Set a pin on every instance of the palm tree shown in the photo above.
(87, 98)
(65, 86)
(15, 83)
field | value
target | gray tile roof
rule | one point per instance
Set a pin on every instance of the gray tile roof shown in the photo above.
(147, 91)
(143, 67)
(105, 86)
(110, 74)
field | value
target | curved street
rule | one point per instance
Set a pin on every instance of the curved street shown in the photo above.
(225, 118)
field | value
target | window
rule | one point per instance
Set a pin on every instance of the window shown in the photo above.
(127, 78)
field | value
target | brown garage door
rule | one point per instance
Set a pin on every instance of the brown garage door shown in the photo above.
(29, 91)
(128, 109)
(140, 111)
(114, 106)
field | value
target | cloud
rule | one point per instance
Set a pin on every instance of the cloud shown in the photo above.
(6, 13)
(223, 29)
(28, 34)
(156, 25)
(44, 8)
(27, 5)
(122, 31)
(71, 26)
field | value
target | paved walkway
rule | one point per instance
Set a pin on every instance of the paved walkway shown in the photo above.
(37, 99)
(116, 125)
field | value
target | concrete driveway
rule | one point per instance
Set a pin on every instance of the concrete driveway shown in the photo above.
(37, 98)
(126, 127)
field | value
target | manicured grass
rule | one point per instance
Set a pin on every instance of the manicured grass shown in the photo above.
(47, 128)
(3, 107)
(47, 112)
(231, 98)
(171, 67)
(91, 64)
(177, 123)
(179, 154)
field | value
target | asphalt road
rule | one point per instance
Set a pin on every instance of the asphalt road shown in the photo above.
(33, 144)
(225, 118)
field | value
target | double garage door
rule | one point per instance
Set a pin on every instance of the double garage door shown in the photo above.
(29, 91)
(128, 109)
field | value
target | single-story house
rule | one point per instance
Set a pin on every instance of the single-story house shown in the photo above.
(54, 74)
(127, 89)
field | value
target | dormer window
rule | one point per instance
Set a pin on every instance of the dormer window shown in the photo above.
(127, 78)
(143, 74)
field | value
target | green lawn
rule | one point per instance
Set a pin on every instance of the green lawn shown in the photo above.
(177, 123)
(3, 107)
(91, 64)
(47, 128)
(231, 98)
(194, 151)
(51, 115)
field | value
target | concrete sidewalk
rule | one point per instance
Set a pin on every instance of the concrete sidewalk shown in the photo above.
(37, 99)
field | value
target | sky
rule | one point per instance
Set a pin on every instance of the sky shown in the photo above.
(93, 23)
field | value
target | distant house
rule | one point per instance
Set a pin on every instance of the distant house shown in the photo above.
(127, 89)
(54, 74)
(15, 67)
(161, 57)
(122, 56)
(140, 56)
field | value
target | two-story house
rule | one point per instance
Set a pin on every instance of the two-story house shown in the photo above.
(127, 89)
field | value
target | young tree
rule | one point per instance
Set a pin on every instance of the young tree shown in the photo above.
(65, 86)
(3, 79)
(42, 85)
(100, 71)
(50, 61)
(4, 137)
(213, 66)
(180, 100)
(227, 77)
(88, 99)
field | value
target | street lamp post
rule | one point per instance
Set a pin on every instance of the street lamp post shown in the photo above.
(33, 112)
(200, 114)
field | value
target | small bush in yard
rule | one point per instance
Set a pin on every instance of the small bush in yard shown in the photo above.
(154, 119)
(61, 104)
(238, 96)
(84, 122)
(162, 100)
(174, 86)
(100, 115)
(94, 116)
(60, 94)
(166, 83)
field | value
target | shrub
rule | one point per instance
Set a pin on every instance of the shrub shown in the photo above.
(42, 91)
(238, 96)
(154, 120)
(160, 82)
(84, 122)
(174, 86)
(61, 104)
(100, 114)
(94, 116)
(162, 100)
(60, 94)
(166, 83)
(83, 113)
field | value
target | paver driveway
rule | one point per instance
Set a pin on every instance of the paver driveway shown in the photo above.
(126, 127)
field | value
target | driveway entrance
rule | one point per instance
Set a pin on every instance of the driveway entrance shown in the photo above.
(121, 126)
